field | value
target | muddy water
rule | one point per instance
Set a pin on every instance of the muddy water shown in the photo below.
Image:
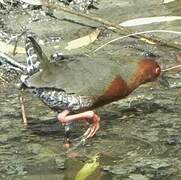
(140, 137)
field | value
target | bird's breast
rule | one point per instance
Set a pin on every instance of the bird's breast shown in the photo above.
(116, 90)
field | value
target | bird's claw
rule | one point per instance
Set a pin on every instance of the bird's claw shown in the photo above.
(94, 126)
(89, 116)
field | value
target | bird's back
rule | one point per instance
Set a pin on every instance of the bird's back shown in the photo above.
(83, 76)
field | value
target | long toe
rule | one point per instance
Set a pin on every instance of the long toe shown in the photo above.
(91, 131)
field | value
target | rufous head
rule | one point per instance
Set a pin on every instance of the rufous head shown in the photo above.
(149, 70)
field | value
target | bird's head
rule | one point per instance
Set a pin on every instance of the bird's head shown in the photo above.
(147, 70)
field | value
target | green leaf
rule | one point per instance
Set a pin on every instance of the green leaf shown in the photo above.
(88, 168)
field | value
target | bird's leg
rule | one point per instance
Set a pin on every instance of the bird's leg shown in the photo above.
(67, 142)
(89, 116)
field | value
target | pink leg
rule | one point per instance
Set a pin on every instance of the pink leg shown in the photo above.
(89, 116)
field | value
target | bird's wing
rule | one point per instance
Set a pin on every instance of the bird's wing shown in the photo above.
(79, 74)
(84, 76)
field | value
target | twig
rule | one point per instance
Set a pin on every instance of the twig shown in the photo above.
(15, 65)
(3, 80)
(171, 68)
(24, 119)
(138, 33)
(16, 42)
(120, 29)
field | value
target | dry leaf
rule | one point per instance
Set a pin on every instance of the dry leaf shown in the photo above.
(88, 169)
(33, 2)
(83, 41)
(167, 1)
(147, 41)
(8, 48)
(2, 2)
(149, 20)
(178, 57)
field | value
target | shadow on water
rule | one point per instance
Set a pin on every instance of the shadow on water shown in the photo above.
(139, 137)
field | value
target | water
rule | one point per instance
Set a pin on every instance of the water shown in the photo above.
(139, 137)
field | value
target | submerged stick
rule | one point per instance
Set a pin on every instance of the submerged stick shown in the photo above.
(24, 119)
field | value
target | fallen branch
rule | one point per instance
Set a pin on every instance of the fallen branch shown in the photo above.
(138, 33)
(123, 30)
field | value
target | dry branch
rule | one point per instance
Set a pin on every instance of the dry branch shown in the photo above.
(120, 29)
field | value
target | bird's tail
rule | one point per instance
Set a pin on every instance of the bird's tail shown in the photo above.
(33, 59)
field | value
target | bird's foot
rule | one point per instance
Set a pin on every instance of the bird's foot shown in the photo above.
(89, 116)
(94, 126)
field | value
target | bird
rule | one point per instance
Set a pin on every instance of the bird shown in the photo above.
(75, 85)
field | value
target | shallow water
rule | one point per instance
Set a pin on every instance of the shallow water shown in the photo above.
(140, 136)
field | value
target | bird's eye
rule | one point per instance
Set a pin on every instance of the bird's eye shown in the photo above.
(157, 70)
